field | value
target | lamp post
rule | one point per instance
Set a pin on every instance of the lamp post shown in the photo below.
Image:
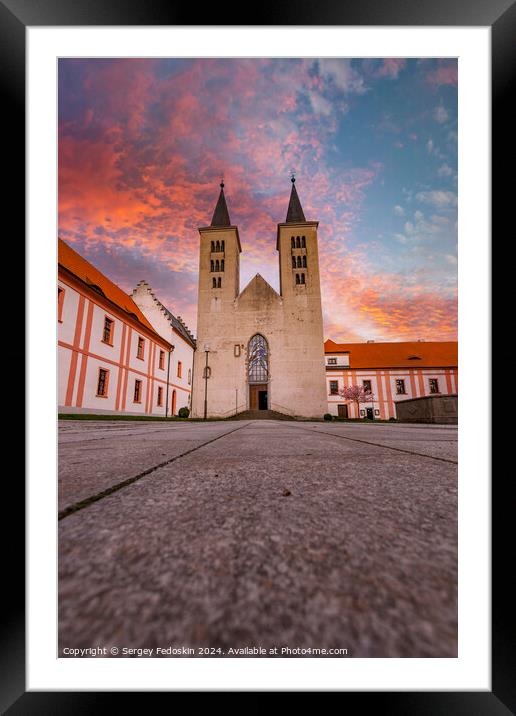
(206, 350)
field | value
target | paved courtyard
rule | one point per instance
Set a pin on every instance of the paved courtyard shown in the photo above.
(258, 534)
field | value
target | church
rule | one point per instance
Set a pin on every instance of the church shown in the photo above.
(258, 349)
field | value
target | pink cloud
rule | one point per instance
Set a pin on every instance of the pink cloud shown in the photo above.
(139, 168)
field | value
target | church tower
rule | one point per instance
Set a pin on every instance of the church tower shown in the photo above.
(219, 282)
(300, 289)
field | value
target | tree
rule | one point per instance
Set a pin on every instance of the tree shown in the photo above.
(357, 394)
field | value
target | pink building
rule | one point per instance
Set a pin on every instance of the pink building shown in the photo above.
(391, 371)
(110, 358)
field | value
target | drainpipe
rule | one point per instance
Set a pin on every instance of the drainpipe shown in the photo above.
(168, 374)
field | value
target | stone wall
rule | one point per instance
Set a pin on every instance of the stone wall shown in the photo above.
(440, 409)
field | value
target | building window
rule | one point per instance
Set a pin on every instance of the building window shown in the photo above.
(303, 242)
(302, 278)
(218, 246)
(297, 278)
(258, 360)
(434, 385)
(107, 336)
(219, 282)
(217, 266)
(189, 376)
(400, 387)
(214, 282)
(212, 246)
(332, 361)
(160, 396)
(294, 262)
(222, 265)
(141, 348)
(162, 360)
(60, 301)
(367, 386)
(299, 264)
(179, 369)
(102, 383)
(298, 242)
(293, 242)
(222, 245)
(334, 387)
(212, 265)
(304, 261)
(236, 350)
(137, 391)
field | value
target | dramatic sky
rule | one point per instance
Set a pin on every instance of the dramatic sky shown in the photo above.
(373, 143)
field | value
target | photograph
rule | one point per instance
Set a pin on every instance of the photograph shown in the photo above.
(257, 357)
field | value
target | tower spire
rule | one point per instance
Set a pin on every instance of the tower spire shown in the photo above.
(221, 213)
(295, 213)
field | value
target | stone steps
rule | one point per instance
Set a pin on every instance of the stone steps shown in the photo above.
(260, 415)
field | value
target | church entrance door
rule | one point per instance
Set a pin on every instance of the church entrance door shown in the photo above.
(258, 397)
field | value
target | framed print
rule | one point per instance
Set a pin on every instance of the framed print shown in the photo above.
(131, 114)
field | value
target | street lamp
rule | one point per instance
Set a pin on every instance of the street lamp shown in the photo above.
(206, 376)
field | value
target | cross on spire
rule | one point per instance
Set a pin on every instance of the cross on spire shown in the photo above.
(295, 213)
(221, 213)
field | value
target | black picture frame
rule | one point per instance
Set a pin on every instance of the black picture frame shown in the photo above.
(15, 17)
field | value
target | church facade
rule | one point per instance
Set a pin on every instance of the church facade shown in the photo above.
(259, 349)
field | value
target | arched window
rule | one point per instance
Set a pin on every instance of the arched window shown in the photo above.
(173, 402)
(212, 265)
(297, 278)
(219, 282)
(222, 265)
(293, 242)
(293, 262)
(302, 278)
(217, 265)
(304, 261)
(214, 282)
(213, 246)
(218, 246)
(298, 242)
(299, 261)
(258, 360)
(303, 242)
(222, 246)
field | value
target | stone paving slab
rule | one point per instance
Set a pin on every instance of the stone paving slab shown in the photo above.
(211, 550)
(435, 442)
(93, 458)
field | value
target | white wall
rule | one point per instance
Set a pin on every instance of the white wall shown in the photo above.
(183, 352)
(79, 368)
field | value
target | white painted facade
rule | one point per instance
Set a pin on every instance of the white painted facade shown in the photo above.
(415, 383)
(97, 375)
(172, 330)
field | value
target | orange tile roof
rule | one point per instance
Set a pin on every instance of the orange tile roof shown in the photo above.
(413, 354)
(86, 272)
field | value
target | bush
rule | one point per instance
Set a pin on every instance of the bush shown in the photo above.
(183, 412)
(393, 419)
(327, 416)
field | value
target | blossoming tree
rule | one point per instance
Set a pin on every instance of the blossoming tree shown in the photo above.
(357, 394)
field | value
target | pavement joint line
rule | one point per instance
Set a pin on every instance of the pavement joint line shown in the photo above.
(386, 447)
(72, 509)
(108, 437)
